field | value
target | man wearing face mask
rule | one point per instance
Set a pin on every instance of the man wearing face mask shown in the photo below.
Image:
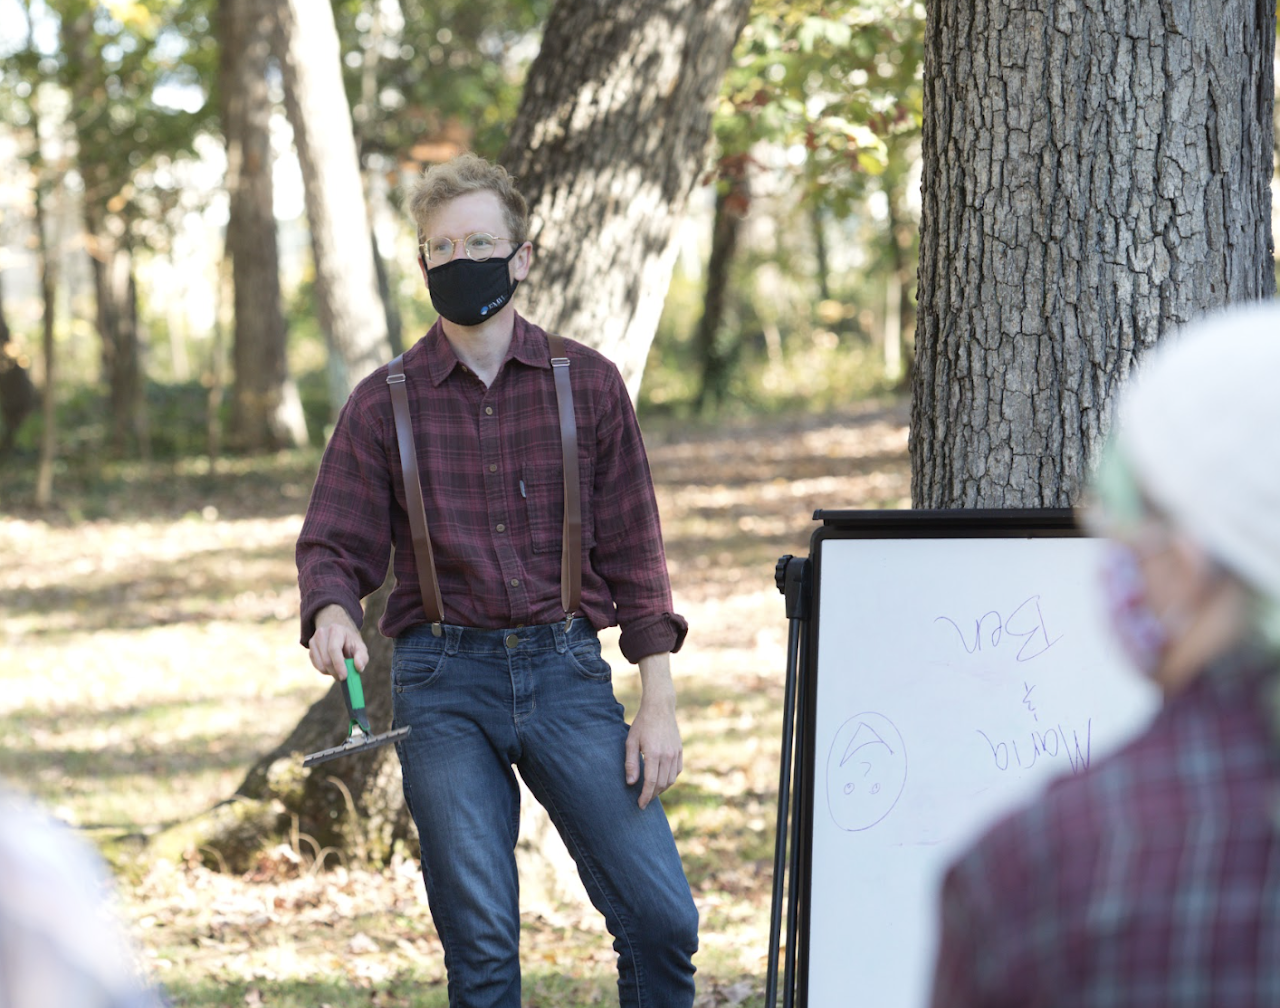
(510, 675)
(1154, 879)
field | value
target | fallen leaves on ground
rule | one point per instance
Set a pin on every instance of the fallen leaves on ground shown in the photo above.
(153, 658)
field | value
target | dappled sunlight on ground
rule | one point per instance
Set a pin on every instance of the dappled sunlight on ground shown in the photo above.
(150, 657)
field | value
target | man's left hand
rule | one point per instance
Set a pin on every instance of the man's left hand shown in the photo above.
(654, 733)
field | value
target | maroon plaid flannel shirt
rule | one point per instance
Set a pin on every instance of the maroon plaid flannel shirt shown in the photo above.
(1152, 881)
(490, 461)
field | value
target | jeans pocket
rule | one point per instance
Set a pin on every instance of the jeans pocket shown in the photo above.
(415, 668)
(586, 659)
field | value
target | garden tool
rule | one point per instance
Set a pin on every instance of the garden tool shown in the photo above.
(360, 737)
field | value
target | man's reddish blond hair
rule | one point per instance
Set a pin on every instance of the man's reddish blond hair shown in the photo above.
(468, 173)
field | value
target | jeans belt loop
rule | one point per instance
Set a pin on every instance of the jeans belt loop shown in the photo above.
(452, 638)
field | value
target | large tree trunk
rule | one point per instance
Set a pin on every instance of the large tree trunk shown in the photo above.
(609, 141)
(347, 301)
(267, 412)
(1094, 174)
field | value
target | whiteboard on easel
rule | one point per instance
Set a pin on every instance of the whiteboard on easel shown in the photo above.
(950, 679)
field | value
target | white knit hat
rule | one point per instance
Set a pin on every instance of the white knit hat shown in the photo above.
(1200, 427)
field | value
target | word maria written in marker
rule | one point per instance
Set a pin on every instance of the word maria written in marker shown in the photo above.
(1024, 628)
(1057, 741)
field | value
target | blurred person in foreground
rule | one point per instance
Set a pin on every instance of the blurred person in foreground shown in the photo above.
(1154, 878)
(61, 945)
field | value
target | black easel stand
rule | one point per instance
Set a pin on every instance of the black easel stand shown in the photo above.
(793, 580)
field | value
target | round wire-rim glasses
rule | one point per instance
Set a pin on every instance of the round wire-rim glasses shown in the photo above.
(478, 246)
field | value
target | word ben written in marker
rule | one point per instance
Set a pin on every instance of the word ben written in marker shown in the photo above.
(1024, 628)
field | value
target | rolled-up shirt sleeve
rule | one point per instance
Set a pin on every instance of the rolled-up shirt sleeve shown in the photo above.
(629, 554)
(345, 544)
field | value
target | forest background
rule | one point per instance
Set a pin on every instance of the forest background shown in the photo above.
(151, 490)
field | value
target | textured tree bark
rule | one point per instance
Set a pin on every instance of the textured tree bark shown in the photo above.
(1095, 173)
(609, 141)
(347, 300)
(266, 409)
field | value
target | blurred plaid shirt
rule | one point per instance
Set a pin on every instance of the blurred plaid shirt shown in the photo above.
(490, 462)
(1152, 881)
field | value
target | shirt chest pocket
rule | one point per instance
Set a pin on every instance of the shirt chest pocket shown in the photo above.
(543, 491)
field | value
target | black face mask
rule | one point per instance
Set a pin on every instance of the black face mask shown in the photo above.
(467, 292)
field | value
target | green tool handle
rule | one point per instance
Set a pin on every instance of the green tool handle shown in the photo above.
(353, 694)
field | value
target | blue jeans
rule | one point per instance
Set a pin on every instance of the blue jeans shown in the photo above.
(541, 700)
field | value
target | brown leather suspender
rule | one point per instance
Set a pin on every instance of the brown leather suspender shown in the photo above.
(571, 538)
(571, 548)
(432, 603)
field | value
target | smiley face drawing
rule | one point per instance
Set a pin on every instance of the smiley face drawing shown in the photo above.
(866, 771)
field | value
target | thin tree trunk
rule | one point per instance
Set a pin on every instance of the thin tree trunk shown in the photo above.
(4, 322)
(108, 243)
(893, 326)
(717, 351)
(897, 306)
(223, 322)
(820, 255)
(47, 251)
(117, 319)
(395, 325)
(347, 300)
(267, 412)
(1094, 175)
(609, 141)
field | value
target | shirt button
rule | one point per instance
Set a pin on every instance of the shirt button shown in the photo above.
(501, 527)
(515, 582)
(493, 467)
(488, 411)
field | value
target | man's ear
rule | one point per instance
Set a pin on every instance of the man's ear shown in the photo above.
(523, 261)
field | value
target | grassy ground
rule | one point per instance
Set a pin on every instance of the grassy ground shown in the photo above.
(149, 641)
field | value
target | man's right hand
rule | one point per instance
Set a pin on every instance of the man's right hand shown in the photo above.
(336, 639)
